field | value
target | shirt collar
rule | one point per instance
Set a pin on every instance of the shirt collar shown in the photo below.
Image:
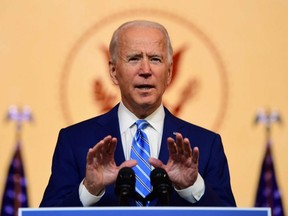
(127, 118)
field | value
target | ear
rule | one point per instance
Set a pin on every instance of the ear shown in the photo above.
(169, 77)
(112, 72)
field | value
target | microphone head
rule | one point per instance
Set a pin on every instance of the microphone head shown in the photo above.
(159, 175)
(125, 182)
(160, 181)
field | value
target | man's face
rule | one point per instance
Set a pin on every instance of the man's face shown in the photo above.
(142, 70)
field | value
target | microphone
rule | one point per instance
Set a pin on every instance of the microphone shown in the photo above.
(162, 186)
(125, 185)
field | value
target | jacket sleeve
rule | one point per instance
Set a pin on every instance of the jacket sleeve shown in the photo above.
(63, 186)
(216, 176)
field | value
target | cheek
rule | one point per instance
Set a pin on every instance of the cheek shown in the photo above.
(124, 82)
(126, 76)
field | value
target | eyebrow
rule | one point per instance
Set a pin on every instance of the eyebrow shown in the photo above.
(141, 55)
(134, 55)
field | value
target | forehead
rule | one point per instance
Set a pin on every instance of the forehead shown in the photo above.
(140, 37)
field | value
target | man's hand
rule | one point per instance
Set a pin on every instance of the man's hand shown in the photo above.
(182, 166)
(101, 169)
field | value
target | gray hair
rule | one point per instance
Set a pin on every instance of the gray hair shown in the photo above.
(113, 47)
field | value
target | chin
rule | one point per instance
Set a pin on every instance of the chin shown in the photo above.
(148, 104)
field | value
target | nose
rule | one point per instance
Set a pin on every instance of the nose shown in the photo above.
(145, 70)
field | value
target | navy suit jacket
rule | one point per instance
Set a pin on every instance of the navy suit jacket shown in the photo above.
(69, 161)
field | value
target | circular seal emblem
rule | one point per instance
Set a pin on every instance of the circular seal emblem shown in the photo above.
(198, 92)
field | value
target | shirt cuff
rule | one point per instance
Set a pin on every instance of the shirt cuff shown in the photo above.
(86, 197)
(193, 193)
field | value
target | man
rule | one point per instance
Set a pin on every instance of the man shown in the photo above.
(193, 157)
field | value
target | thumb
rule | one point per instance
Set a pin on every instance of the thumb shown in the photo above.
(128, 163)
(156, 163)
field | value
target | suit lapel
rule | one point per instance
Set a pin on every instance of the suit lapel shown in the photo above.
(110, 124)
(171, 125)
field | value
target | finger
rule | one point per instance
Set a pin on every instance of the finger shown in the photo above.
(172, 148)
(187, 148)
(101, 147)
(109, 145)
(195, 155)
(98, 150)
(107, 141)
(179, 144)
(90, 156)
(112, 146)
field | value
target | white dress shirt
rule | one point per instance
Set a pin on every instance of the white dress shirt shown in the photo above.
(155, 129)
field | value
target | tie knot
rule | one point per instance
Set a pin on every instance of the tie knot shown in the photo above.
(141, 124)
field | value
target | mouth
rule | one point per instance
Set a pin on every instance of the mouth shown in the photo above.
(144, 87)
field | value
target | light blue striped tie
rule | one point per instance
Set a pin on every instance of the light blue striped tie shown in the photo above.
(140, 151)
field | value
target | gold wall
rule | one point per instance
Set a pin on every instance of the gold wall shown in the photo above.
(234, 56)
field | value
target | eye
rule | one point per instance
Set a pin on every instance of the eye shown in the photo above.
(156, 59)
(133, 59)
